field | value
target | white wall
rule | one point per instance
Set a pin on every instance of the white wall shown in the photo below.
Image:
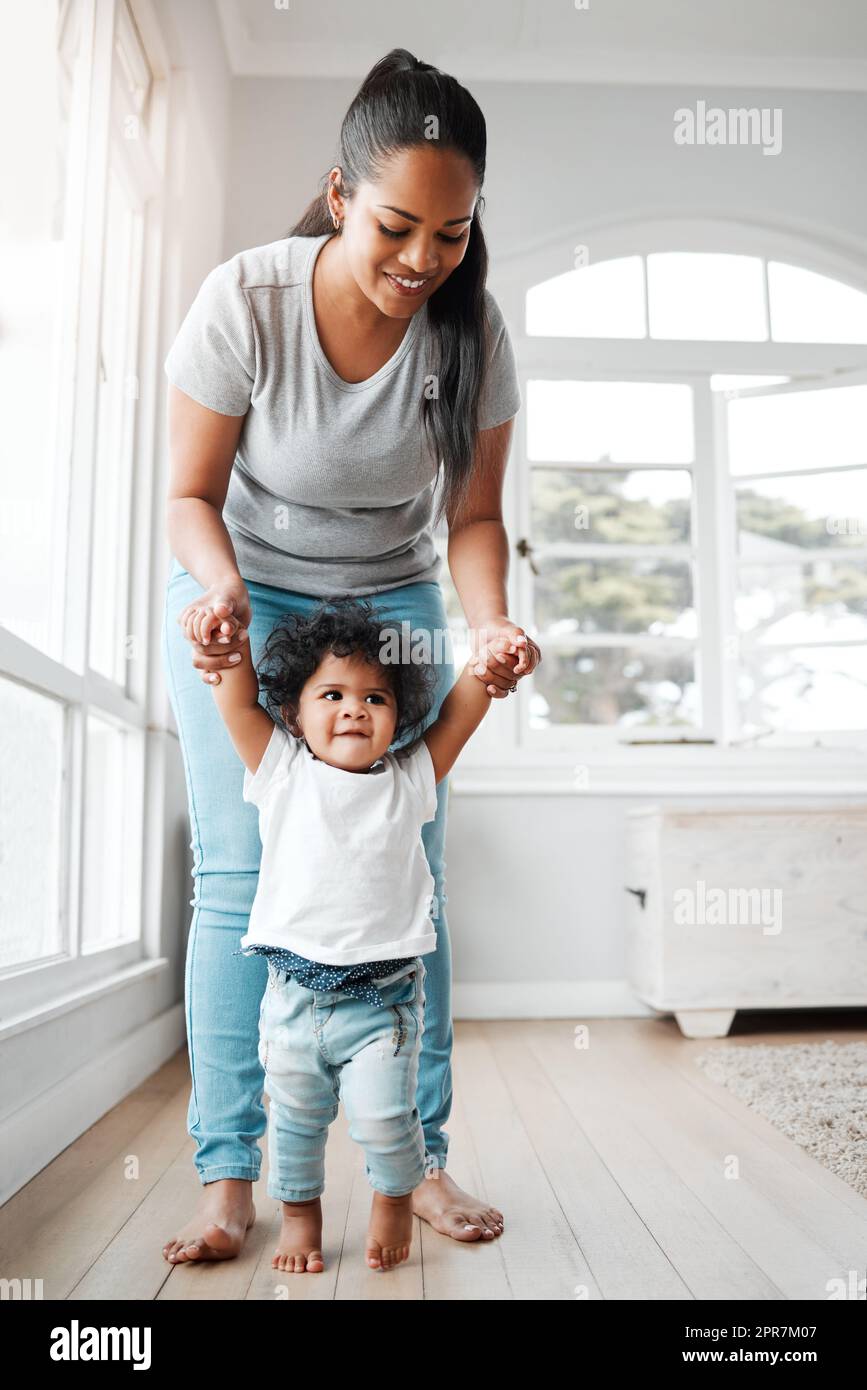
(564, 156)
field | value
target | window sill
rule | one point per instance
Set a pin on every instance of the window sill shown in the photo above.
(80, 998)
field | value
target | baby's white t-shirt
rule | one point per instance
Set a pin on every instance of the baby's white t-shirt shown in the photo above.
(344, 876)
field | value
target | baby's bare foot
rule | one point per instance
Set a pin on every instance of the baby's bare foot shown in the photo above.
(389, 1234)
(217, 1232)
(299, 1249)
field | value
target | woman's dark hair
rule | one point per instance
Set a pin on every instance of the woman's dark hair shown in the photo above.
(392, 112)
(295, 648)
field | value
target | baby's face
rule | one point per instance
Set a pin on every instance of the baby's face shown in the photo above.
(348, 713)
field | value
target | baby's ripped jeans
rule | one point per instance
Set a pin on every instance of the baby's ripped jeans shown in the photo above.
(319, 1047)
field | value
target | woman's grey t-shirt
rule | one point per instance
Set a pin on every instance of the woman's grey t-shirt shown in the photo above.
(333, 484)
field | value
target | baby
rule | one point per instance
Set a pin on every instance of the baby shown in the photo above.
(345, 904)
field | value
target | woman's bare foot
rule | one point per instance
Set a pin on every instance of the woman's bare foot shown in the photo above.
(445, 1206)
(389, 1234)
(299, 1248)
(217, 1232)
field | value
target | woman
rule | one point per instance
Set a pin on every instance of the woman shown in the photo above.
(316, 384)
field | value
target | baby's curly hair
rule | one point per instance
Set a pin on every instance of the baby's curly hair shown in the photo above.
(345, 626)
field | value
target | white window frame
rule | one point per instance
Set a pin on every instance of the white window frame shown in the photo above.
(515, 744)
(123, 66)
(828, 738)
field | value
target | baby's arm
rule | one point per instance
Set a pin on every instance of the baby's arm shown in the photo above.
(462, 711)
(237, 698)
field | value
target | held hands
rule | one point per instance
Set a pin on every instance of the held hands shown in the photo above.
(501, 654)
(217, 623)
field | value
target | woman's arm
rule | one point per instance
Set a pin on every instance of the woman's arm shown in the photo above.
(478, 547)
(202, 447)
(478, 557)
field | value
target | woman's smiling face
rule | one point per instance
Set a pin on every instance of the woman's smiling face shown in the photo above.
(413, 223)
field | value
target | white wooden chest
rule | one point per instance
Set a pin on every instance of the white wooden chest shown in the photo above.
(746, 909)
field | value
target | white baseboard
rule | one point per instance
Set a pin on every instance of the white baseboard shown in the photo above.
(46, 1125)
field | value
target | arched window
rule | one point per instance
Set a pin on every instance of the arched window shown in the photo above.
(697, 294)
(691, 489)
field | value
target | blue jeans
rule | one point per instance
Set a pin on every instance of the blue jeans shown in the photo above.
(321, 1046)
(224, 991)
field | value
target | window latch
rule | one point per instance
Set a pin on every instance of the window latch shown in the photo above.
(525, 551)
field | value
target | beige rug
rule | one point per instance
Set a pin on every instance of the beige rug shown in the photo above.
(815, 1093)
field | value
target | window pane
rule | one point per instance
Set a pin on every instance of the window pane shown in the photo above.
(805, 689)
(31, 788)
(593, 301)
(801, 429)
(820, 601)
(37, 98)
(811, 308)
(609, 421)
(807, 511)
(699, 295)
(639, 507)
(112, 800)
(117, 397)
(614, 596)
(629, 687)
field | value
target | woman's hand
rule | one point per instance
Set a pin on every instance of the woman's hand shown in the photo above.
(498, 677)
(216, 623)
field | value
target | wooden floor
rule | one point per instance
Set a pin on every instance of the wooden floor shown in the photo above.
(609, 1165)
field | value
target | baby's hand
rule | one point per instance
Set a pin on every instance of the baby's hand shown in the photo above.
(216, 624)
(200, 623)
(495, 664)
